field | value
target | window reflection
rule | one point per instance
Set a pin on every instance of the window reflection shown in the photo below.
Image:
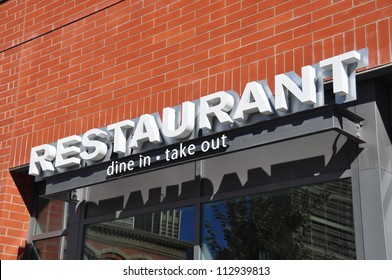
(159, 235)
(50, 249)
(310, 222)
(52, 215)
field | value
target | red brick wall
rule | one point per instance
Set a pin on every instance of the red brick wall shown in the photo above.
(68, 66)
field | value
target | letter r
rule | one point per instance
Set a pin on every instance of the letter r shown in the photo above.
(41, 158)
(216, 105)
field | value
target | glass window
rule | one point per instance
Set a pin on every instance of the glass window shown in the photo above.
(52, 215)
(309, 222)
(52, 219)
(50, 249)
(166, 235)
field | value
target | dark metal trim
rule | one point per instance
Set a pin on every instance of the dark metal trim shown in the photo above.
(301, 124)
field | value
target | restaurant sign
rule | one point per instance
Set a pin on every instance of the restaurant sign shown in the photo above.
(216, 112)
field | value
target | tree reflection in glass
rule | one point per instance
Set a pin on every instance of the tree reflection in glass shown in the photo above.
(312, 222)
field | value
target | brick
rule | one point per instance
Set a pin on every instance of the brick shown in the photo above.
(209, 9)
(241, 13)
(294, 23)
(152, 82)
(217, 49)
(43, 124)
(209, 62)
(167, 85)
(150, 32)
(382, 3)
(328, 47)
(294, 43)
(384, 41)
(360, 38)
(195, 75)
(311, 7)
(125, 90)
(166, 17)
(194, 58)
(318, 51)
(239, 52)
(17, 233)
(275, 20)
(9, 241)
(241, 33)
(279, 65)
(259, 55)
(349, 39)
(226, 10)
(212, 45)
(151, 64)
(298, 59)
(354, 12)
(276, 39)
(194, 40)
(225, 29)
(181, 37)
(89, 110)
(180, 54)
(139, 77)
(19, 217)
(167, 34)
(153, 47)
(179, 72)
(194, 7)
(372, 17)
(308, 54)
(258, 17)
(270, 72)
(210, 24)
(328, 10)
(138, 60)
(258, 36)
(372, 43)
(225, 66)
(169, 50)
(335, 29)
(289, 61)
(181, 20)
(338, 44)
(196, 24)
(290, 5)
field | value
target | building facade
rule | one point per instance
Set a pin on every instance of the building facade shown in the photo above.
(171, 129)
